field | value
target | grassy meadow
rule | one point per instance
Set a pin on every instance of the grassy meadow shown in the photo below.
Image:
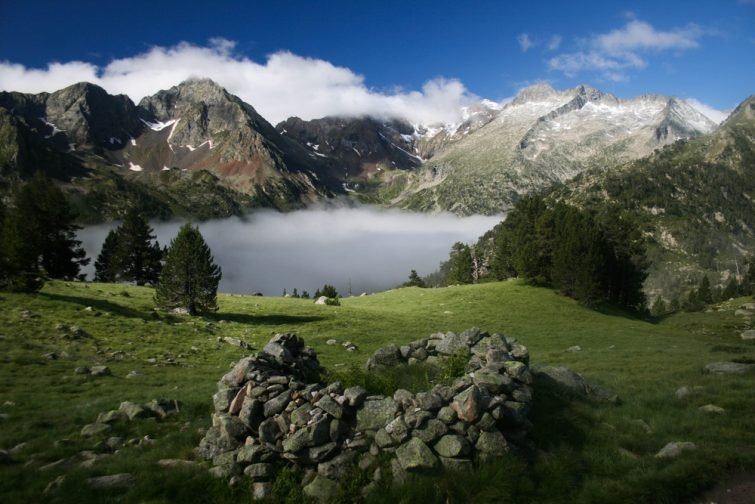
(581, 451)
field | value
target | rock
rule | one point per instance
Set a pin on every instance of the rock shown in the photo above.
(398, 430)
(276, 404)
(575, 348)
(236, 376)
(491, 444)
(452, 445)
(331, 341)
(674, 449)
(133, 410)
(338, 467)
(742, 313)
(468, 404)
(724, 367)
(518, 371)
(268, 431)
(376, 413)
(5, 458)
(432, 430)
(748, 335)
(54, 485)
(712, 409)
(355, 396)
(321, 488)
(428, 401)
(329, 406)
(386, 356)
(574, 383)
(133, 374)
(100, 371)
(415, 456)
(95, 429)
(494, 383)
(55, 465)
(748, 306)
(82, 370)
(110, 417)
(456, 464)
(262, 490)
(260, 472)
(685, 391)
(176, 463)
(122, 480)
(453, 343)
(383, 439)
(447, 415)
(252, 413)
(322, 300)
(322, 452)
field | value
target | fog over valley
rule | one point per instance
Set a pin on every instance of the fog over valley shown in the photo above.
(364, 249)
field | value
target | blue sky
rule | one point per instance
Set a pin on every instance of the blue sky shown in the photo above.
(419, 59)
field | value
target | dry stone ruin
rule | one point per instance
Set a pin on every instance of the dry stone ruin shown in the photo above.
(272, 409)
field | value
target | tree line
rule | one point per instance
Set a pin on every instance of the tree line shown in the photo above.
(38, 242)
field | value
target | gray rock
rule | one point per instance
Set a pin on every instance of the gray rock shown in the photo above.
(355, 396)
(415, 456)
(276, 404)
(452, 445)
(494, 383)
(95, 429)
(252, 413)
(383, 439)
(321, 488)
(456, 464)
(520, 353)
(432, 430)
(260, 472)
(100, 371)
(262, 490)
(339, 466)
(322, 452)
(576, 384)
(249, 454)
(519, 371)
(322, 300)
(491, 444)
(468, 404)
(724, 367)
(415, 418)
(453, 343)
(122, 480)
(133, 410)
(685, 391)
(674, 449)
(176, 463)
(748, 335)
(374, 414)
(300, 416)
(223, 397)
(428, 401)
(385, 357)
(575, 348)
(82, 370)
(110, 417)
(712, 409)
(447, 415)
(329, 406)
(398, 429)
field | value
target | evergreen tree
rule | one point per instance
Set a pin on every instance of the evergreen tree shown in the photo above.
(747, 285)
(304, 295)
(328, 291)
(190, 276)
(675, 305)
(414, 280)
(139, 258)
(461, 264)
(295, 293)
(731, 290)
(107, 265)
(659, 307)
(39, 237)
(704, 294)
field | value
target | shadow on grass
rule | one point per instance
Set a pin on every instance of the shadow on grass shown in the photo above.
(244, 318)
(554, 419)
(99, 304)
(616, 311)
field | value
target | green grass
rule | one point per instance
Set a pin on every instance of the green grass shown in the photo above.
(575, 453)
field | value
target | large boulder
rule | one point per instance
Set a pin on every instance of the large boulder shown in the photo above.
(385, 357)
(575, 384)
(415, 456)
(725, 367)
(376, 413)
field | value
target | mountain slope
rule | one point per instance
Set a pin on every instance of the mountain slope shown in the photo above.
(544, 137)
(696, 199)
(104, 147)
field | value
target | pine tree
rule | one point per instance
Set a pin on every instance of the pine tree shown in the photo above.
(139, 258)
(190, 277)
(704, 294)
(731, 290)
(659, 307)
(461, 264)
(304, 295)
(414, 280)
(107, 265)
(328, 291)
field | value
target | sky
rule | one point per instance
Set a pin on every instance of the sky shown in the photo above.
(419, 60)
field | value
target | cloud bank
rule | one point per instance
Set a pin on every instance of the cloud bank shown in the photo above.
(715, 115)
(614, 53)
(364, 248)
(283, 86)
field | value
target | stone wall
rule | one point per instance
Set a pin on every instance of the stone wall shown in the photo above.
(271, 407)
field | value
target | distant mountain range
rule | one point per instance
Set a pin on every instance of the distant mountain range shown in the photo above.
(197, 150)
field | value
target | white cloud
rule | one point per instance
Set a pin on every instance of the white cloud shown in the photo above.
(284, 85)
(715, 115)
(525, 42)
(554, 42)
(611, 54)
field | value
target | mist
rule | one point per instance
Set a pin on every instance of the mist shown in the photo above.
(357, 250)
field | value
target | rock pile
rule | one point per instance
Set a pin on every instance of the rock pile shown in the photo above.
(271, 407)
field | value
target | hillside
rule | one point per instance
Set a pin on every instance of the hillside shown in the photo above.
(695, 198)
(583, 451)
(545, 137)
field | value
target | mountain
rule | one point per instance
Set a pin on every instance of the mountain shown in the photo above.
(544, 137)
(194, 149)
(694, 198)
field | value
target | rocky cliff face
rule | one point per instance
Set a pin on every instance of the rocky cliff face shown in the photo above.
(544, 137)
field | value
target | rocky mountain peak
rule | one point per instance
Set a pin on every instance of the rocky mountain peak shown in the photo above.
(535, 92)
